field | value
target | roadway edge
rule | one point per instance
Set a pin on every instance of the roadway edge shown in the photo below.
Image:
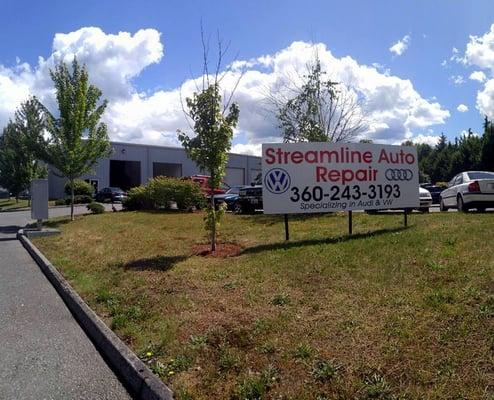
(135, 374)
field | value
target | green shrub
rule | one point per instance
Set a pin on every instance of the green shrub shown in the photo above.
(81, 188)
(60, 202)
(96, 208)
(160, 192)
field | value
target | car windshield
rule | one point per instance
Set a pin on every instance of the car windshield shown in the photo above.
(481, 175)
(234, 190)
(115, 189)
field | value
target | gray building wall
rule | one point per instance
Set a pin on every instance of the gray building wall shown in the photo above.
(238, 165)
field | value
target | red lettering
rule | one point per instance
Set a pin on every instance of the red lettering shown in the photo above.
(270, 155)
(334, 175)
(297, 157)
(367, 157)
(321, 174)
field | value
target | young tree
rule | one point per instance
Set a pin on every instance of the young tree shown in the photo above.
(19, 148)
(213, 124)
(77, 137)
(318, 110)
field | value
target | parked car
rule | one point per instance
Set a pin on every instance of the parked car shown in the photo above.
(113, 194)
(4, 193)
(426, 199)
(249, 199)
(434, 190)
(467, 190)
(203, 181)
(230, 197)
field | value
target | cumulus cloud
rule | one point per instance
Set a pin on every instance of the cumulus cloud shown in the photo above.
(480, 53)
(400, 46)
(462, 108)
(394, 110)
(478, 76)
(431, 140)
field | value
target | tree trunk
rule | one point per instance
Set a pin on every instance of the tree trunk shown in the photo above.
(72, 198)
(213, 228)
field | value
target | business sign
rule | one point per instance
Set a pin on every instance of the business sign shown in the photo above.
(327, 177)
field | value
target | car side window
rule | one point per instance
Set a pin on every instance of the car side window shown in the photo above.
(458, 180)
(451, 182)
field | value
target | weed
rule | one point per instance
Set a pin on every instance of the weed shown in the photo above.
(303, 352)
(438, 298)
(256, 387)
(280, 300)
(267, 348)
(198, 342)
(228, 359)
(325, 370)
(376, 387)
(434, 265)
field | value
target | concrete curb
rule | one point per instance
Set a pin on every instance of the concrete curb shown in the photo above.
(135, 374)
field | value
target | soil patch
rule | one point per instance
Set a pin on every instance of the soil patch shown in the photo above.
(223, 250)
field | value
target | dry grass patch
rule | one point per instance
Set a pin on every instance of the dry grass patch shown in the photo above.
(387, 314)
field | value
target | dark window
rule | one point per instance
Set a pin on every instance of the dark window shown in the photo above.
(167, 169)
(125, 174)
(480, 175)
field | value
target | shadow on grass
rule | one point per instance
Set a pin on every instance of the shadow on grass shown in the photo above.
(51, 223)
(264, 219)
(312, 242)
(159, 263)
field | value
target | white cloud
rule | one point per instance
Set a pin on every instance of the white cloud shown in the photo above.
(457, 80)
(480, 53)
(462, 108)
(431, 140)
(477, 76)
(400, 46)
(394, 110)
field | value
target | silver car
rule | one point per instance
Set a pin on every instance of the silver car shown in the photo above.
(467, 190)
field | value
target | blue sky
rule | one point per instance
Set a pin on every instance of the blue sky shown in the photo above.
(361, 30)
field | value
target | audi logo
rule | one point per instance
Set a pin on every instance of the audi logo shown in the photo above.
(398, 174)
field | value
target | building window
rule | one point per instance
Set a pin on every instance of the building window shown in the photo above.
(167, 169)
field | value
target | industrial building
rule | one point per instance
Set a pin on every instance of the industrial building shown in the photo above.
(131, 165)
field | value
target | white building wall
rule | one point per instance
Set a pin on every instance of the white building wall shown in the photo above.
(146, 155)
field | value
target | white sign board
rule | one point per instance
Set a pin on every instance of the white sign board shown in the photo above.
(39, 199)
(327, 177)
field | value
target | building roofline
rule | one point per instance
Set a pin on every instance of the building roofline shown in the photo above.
(113, 142)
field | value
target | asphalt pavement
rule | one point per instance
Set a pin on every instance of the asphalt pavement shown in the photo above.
(44, 353)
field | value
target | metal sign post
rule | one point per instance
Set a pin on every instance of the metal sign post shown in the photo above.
(287, 231)
(350, 222)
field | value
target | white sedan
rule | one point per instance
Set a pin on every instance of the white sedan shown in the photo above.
(471, 189)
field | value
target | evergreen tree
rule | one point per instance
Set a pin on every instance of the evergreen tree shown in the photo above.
(487, 157)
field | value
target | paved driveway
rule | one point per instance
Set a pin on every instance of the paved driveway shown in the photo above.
(44, 353)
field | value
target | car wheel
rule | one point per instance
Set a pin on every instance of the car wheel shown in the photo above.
(460, 204)
(442, 207)
(237, 208)
(481, 209)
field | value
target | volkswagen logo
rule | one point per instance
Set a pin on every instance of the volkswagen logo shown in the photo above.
(398, 174)
(277, 181)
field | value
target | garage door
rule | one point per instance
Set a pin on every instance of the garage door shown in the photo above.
(235, 176)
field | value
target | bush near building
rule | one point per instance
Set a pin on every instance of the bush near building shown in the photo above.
(96, 208)
(81, 188)
(161, 192)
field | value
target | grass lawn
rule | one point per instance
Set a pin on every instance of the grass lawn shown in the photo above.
(390, 314)
(11, 204)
